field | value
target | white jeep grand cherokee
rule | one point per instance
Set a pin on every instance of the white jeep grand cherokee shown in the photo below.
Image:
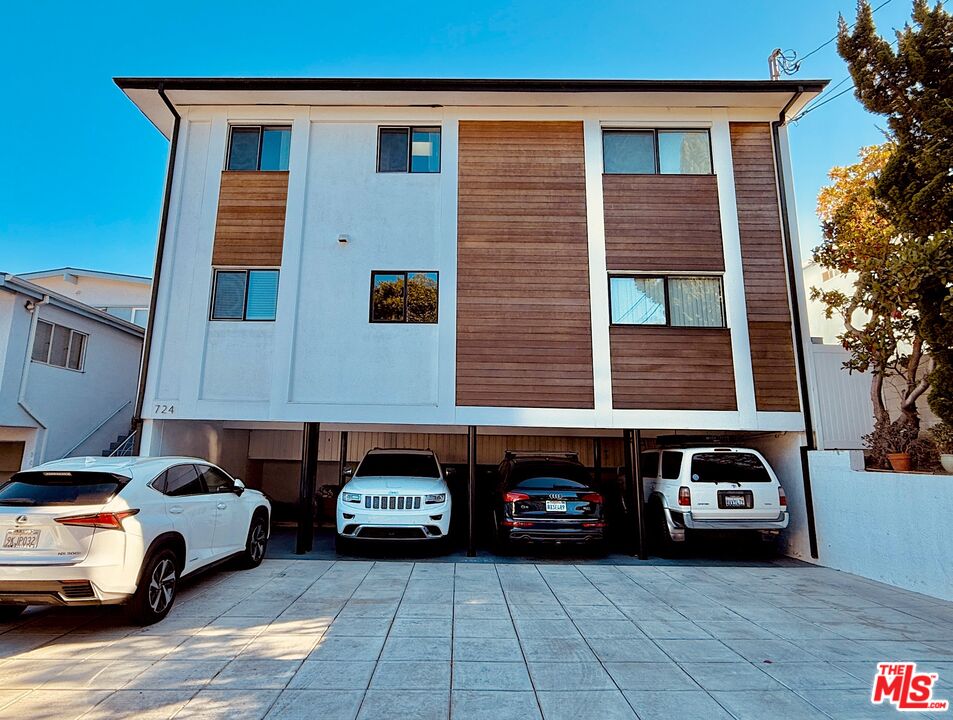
(102, 531)
(397, 495)
(700, 489)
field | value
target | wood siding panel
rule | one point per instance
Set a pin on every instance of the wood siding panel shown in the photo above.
(663, 368)
(250, 227)
(523, 324)
(762, 254)
(662, 222)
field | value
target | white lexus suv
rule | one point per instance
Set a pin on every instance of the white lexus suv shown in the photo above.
(708, 489)
(95, 531)
(394, 494)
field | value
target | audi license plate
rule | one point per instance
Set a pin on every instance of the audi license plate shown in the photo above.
(555, 506)
(735, 501)
(21, 540)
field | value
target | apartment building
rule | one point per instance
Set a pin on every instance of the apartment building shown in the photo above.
(471, 266)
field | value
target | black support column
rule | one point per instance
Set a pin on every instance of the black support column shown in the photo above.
(309, 473)
(471, 489)
(342, 459)
(632, 442)
(597, 460)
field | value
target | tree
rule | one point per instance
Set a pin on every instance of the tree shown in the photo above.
(880, 318)
(913, 87)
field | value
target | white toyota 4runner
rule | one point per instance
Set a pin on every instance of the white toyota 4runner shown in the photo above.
(710, 489)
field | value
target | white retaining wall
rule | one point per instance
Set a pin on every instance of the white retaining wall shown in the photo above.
(890, 527)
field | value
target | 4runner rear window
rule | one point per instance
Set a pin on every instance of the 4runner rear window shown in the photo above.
(728, 467)
(397, 465)
(60, 488)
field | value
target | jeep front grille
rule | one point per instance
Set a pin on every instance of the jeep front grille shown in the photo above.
(392, 502)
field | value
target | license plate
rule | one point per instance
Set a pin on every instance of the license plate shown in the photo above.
(555, 506)
(21, 540)
(735, 501)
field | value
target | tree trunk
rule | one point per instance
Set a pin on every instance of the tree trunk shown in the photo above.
(881, 415)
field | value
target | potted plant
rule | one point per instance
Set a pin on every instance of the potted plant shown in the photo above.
(890, 443)
(942, 435)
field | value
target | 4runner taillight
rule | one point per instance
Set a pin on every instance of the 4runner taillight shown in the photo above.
(782, 498)
(107, 521)
(684, 496)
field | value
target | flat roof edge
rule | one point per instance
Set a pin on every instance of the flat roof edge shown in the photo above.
(467, 84)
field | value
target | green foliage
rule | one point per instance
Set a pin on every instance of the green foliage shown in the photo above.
(942, 435)
(912, 86)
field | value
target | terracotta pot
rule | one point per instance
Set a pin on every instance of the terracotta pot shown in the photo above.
(947, 462)
(900, 462)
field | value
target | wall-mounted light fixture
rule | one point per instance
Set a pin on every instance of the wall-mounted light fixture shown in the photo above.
(343, 238)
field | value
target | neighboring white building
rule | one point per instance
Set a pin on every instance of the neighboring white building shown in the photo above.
(124, 296)
(824, 279)
(68, 375)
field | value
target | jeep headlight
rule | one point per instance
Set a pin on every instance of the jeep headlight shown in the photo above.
(351, 497)
(435, 499)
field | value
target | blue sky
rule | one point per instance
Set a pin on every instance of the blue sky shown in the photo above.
(83, 170)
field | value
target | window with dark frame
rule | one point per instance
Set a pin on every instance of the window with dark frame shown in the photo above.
(666, 300)
(249, 295)
(408, 149)
(404, 296)
(59, 346)
(258, 148)
(656, 152)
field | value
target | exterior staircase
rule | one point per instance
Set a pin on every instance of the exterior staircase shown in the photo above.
(122, 447)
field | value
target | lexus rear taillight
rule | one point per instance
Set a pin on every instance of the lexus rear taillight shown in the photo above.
(591, 498)
(512, 497)
(107, 521)
(684, 496)
(782, 498)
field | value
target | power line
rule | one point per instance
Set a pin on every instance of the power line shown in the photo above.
(849, 27)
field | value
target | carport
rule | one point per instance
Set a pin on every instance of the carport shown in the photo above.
(632, 491)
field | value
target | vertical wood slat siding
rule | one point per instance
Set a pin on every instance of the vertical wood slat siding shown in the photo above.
(662, 222)
(762, 255)
(250, 227)
(662, 368)
(523, 324)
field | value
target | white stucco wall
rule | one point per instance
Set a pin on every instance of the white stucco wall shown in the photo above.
(890, 527)
(782, 450)
(63, 405)
(98, 291)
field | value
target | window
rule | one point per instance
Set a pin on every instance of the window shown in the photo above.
(140, 316)
(408, 149)
(59, 346)
(677, 301)
(671, 464)
(258, 148)
(649, 463)
(181, 480)
(244, 295)
(650, 152)
(404, 296)
(734, 467)
(215, 480)
(60, 488)
(398, 465)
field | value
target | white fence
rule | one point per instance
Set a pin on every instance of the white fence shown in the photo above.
(842, 408)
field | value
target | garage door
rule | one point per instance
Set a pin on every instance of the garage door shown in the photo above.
(11, 455)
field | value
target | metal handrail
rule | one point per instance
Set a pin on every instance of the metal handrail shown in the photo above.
(125, 447)
(98, 428)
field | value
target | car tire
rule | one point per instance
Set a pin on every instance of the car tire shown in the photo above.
(342, 545)
(256, 544)
(662, 541)
(157, 588)
(9, 613)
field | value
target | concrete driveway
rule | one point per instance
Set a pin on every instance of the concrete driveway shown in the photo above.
(384, 640)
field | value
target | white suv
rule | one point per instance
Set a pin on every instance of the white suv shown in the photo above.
(94, 531)
(397, 495)
(710, 489)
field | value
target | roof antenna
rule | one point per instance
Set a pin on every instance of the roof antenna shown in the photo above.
(782, 61)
